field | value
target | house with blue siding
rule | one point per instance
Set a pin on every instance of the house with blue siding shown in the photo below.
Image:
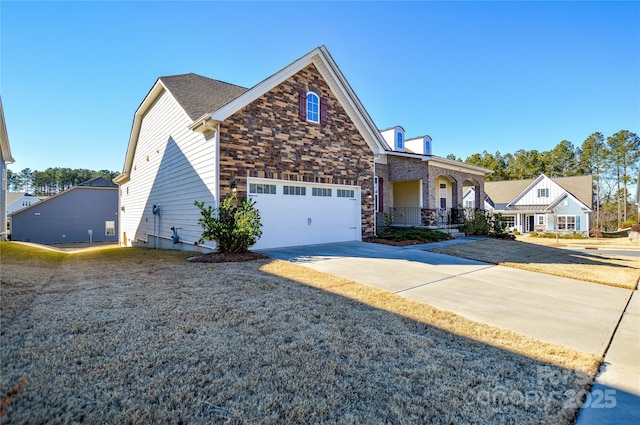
(87, 212)
(543, 204)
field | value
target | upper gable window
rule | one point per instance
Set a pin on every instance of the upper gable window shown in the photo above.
(543, 193)
(399, 141)
(313, 107)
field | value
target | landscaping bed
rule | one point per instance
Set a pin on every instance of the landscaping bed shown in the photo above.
(408, 236)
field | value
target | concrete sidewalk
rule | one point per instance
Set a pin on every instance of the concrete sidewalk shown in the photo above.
(615, 396)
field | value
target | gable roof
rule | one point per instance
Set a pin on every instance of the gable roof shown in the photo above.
(16, 196)
(503, 192)
(98, 182)
(506, 191)
(328, 69)
(195, 93)
(559, 199)
(198, 95)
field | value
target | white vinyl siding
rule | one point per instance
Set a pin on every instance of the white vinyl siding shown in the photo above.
(535, 195)
(188, 174)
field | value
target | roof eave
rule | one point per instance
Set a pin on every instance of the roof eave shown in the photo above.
(157, 89)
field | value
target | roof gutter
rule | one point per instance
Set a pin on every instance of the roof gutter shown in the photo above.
(205, 124)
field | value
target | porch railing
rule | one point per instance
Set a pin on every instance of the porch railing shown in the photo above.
(405, 216)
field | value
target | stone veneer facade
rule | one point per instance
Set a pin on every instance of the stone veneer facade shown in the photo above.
(268, 139)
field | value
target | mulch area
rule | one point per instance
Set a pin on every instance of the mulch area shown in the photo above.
(394, 243)
(219, 257)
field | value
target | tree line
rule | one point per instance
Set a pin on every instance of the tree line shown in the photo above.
(52, 180)
(612, 161)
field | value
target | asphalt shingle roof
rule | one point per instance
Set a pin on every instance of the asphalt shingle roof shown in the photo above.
(199, 95)
(503, 192)
(98, 182)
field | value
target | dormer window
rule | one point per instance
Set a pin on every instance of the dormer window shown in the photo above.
(427, 147)
(400, 141)
(313, 107)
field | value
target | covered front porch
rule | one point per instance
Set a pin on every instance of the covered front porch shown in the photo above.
(424, 191)
(411, 206)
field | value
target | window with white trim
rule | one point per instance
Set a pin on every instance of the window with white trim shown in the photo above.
(509, 221)
(262, 188)
(294, 190)
(346, 193)
(321, 191)
(543, 193)
(313, 107)
(109, 228)
(443, 196)
(540, 220)
(566, 222)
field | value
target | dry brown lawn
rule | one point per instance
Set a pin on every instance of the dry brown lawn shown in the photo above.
(541, 256)
(129, 335)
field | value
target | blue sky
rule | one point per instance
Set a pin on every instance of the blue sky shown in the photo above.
(495, 76)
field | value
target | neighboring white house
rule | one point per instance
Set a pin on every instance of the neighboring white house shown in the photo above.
(541, 204)
(5, 158)
(18, 200)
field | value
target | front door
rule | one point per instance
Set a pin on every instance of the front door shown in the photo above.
(530, 223)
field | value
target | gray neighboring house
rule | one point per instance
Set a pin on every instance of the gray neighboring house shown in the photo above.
(87, 212)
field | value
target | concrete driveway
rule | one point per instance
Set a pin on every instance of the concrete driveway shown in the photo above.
(573, 313)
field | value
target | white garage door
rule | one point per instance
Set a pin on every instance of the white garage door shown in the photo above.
(294, 213)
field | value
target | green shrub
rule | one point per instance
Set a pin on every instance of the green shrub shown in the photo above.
(236, 227)
(485, 223)
(388, 221)
(627, 224)
(533, 234)
(516, 233)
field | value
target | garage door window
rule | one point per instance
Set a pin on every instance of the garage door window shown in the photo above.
(321, 191)
(269, 189)
(294, 190)
(346, 193)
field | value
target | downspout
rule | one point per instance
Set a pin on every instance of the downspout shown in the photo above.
(373, 182)
(217, 165)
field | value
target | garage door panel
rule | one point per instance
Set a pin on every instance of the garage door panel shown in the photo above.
(290, 220)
